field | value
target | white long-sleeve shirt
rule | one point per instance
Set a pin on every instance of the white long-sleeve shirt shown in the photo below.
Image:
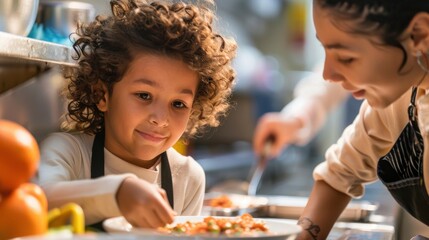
(313, 99)
(352, 161)
(65, 176)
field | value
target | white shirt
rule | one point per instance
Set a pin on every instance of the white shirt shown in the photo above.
(65, 176)
(352, 161)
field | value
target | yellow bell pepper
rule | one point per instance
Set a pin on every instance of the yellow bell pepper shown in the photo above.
(68, 214)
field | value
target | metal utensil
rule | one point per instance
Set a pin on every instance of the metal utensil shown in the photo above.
(249, 187)
(259, 167)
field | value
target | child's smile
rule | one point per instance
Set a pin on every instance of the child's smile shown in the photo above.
(149, 108)
(154, 137)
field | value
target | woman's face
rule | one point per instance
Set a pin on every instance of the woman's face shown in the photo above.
(149, 108)
(367, 70)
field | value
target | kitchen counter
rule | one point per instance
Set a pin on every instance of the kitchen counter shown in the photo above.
(23, 50)
(288, 175)
(291, 175)
(359, 231)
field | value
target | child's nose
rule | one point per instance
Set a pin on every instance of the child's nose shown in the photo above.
(159, 117)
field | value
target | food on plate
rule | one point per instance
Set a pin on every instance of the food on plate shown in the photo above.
(244, 225)
(223, 201)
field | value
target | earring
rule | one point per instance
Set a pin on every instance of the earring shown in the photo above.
(422, 60)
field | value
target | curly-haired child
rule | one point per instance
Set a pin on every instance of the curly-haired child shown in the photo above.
(148, 75)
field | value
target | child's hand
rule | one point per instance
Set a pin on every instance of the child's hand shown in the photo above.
(144, 204)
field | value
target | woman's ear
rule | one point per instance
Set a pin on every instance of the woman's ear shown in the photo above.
(101, 96)
(419, 32)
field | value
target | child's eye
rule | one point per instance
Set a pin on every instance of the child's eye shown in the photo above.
(345, 60)
(179, 104)
(144, 96)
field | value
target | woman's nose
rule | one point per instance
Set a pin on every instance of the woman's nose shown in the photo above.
(330, 73)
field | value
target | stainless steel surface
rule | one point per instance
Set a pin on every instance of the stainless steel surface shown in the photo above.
(289, 207)
(352, 231)
(62, 16)
(31, 81)
(17, 16)
(359, 231)
(20, 50)
(407, 226)
(36, 104)
(292, 207)
(22, 58)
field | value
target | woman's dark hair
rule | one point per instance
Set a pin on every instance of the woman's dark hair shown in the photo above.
(386, 19)
(106, 46)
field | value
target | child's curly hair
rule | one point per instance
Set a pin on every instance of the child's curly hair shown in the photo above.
(106, 46)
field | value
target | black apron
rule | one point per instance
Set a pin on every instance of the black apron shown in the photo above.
(97, 170)
(401, 170)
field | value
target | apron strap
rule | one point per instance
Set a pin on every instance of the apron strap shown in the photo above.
(412, 109)
(412, 116)
(97, 158)
(97, 168)
(166, 179)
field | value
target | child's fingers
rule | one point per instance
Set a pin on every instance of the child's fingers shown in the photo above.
(147, 217)
(163, 194)
(141, 221)
(165, 212)
(153, 220)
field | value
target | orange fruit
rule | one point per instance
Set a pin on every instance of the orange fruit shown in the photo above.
(19, 155)
(23, 212)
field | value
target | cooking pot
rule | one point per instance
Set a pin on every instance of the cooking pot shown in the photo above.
(61, 17)
(17, 16)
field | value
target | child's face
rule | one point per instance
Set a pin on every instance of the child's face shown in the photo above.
(366, 69)
(149, 108)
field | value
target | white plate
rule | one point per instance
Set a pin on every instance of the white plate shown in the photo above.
(279, 229)
(89, 236)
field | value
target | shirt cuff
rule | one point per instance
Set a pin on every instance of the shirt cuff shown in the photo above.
(105, 203)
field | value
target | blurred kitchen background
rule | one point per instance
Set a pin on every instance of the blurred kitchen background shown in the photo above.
(277, 48)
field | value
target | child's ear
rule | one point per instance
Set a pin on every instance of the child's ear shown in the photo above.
(101, 96)
(419, 31)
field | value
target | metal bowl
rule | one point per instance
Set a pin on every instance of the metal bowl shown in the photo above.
(17, 16)
(62, 17)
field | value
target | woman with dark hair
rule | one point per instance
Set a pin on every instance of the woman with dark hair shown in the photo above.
(378, 51)
(148, 75)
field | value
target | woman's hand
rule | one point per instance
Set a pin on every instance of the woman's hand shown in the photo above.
(144, 204)
(283, 130)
